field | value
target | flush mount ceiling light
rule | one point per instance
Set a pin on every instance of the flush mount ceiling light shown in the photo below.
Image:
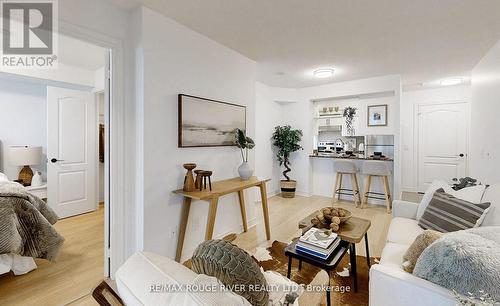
(323, 73)
(451, 81)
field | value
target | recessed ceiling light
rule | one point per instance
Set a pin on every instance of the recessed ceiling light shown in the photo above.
(451, 81)
(323, 73)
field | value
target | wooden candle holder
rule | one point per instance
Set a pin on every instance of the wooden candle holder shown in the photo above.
(188, 179)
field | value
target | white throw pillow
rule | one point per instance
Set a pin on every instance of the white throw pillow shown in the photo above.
(472, 194)
(426, 199)
(3, 177)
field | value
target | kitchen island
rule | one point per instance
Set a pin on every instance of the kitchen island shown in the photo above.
(323, 176)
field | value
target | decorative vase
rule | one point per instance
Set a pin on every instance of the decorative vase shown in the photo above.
(288, 188)
(37, 179)
(245, 171)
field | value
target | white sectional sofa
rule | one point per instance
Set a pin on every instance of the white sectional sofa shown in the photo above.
(143, 278)
(390, 285)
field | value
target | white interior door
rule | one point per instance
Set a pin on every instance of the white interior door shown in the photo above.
(71, 151)
(442, 142)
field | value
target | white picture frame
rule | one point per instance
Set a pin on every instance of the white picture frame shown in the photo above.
(377, 115)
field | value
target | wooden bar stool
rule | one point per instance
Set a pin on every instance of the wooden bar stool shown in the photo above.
(346, 167)
(377, 169)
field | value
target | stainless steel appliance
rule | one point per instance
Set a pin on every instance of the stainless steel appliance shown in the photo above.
(326, 146)
(379, 145)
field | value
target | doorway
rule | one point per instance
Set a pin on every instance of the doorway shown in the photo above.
(442, 150)
(72, 166)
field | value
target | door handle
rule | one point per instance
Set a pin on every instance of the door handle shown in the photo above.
(461, 155)
(55, 160)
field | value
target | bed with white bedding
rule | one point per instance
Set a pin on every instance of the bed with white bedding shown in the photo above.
(26, 229)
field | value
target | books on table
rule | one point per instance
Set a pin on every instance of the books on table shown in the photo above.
(318, 243)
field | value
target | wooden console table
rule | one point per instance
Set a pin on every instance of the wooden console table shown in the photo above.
(221, 188)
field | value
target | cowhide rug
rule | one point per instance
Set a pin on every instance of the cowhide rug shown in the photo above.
(276, 261)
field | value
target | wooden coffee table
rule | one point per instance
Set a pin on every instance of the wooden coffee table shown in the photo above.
(352, 231)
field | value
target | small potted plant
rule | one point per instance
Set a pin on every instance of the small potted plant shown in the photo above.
(286, 141)
(244, 143)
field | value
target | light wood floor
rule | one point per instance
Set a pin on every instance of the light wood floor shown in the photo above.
(79, 268)
(284, 215)
(80, 265)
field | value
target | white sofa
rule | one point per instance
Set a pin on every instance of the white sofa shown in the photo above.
(390, 285)
(144, 277)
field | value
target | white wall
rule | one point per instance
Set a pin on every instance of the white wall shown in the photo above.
(178, 60)
(23, 121)
(485, 125)
(270, 112)
(409, 105)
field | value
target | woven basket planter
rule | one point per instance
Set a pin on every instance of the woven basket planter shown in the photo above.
(288, 188)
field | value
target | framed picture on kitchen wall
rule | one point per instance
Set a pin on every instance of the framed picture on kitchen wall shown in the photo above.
(208, 123)
(377, 115)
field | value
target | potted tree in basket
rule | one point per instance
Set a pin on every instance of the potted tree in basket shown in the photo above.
(286, 141)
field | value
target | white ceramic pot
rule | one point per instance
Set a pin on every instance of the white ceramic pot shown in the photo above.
(37, 179)
(245, 171)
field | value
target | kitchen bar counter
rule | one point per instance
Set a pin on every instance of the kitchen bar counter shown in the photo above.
(323, 176)
(353, 158)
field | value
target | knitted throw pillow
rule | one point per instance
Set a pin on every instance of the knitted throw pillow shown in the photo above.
(234, 267)
(417, 247)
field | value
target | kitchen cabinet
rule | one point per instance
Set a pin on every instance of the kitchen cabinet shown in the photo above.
(330, 121)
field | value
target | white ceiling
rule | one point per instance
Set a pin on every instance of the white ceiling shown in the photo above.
(74, 52)
(422, 40)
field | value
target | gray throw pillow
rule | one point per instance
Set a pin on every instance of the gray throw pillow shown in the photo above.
(465, 261)
(234, 267)
(445, 213)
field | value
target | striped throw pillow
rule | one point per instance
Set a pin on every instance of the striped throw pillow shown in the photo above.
(445, 213)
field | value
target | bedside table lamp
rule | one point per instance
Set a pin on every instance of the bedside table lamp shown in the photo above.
(25, 156)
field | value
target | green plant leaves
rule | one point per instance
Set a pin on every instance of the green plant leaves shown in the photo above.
(287, 141)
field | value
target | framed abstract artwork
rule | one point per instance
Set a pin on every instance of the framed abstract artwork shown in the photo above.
(208, 123)
(377, 115)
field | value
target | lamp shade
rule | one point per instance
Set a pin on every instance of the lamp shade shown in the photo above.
(25, 155)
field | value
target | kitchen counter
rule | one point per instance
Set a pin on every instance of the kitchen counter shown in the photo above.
(323, 176)
(352, 157)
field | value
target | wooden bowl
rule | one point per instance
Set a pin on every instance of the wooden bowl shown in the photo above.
(347, 216)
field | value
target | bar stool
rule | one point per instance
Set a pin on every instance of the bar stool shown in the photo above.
(346, 167)
(377, 169)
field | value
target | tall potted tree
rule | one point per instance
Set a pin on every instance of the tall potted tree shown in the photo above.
(286, 141)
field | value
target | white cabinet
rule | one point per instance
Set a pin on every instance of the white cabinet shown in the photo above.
(329, 124)
(330, 121)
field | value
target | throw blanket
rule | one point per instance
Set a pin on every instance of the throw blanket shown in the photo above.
(26, 224)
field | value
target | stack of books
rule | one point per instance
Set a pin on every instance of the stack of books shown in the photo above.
(317, 243)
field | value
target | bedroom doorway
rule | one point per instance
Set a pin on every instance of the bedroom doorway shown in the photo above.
(74, 162)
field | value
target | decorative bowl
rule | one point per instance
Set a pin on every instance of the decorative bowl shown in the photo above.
(346, 214)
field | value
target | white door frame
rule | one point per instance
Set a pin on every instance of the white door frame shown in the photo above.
(416, 127)
(115, 143)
